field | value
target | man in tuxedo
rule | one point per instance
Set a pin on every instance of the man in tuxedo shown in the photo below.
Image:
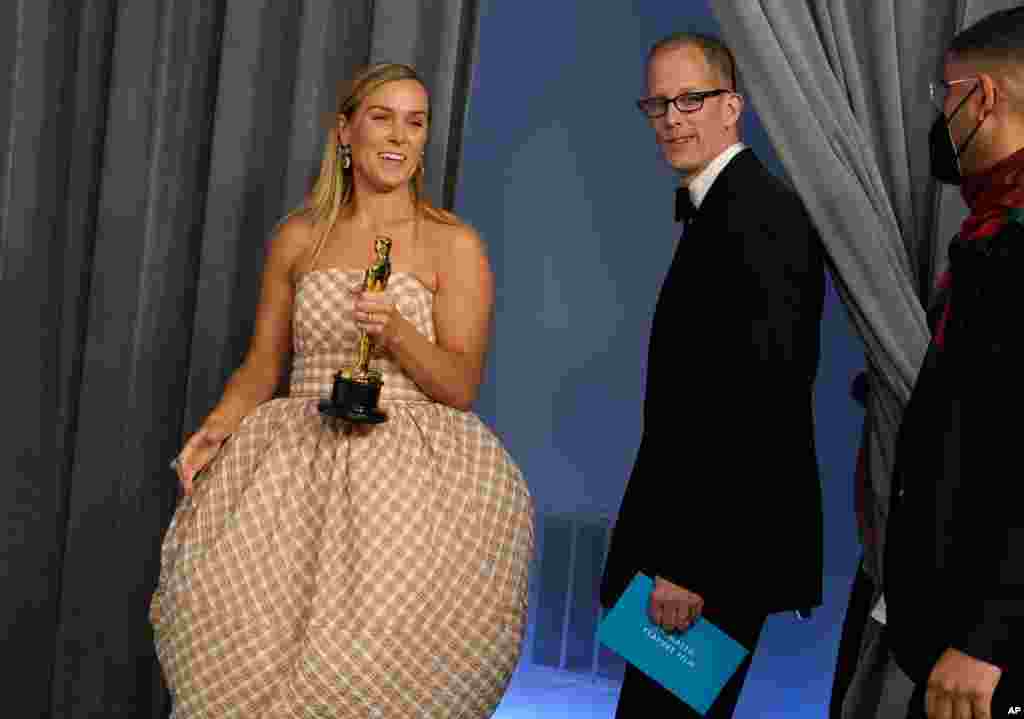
(723, 506)
(954, 551)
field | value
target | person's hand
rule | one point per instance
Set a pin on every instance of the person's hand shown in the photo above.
(199, 451)
(673, 608)
(961, 687)
(377, 313)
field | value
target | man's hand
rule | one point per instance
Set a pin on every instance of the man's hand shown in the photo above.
(961, 687)
(673, 608)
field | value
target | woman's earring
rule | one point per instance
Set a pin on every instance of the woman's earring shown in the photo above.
(345, 156)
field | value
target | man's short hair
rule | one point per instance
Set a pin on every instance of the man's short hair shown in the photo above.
(717, 55)
(997, 39)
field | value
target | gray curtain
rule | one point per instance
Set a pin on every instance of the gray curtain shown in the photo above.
(148, 147)
(841, 87)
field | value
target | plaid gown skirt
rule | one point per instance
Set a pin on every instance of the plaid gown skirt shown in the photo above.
(325, 570)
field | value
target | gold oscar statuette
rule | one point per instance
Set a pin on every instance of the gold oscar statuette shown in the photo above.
(357, 388)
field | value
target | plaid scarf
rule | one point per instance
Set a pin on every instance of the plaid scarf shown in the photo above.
(994, 198)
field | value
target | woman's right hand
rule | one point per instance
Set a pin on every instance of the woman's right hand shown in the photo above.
(199, 451)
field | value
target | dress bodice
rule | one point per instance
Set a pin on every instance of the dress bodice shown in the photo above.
(325, 337)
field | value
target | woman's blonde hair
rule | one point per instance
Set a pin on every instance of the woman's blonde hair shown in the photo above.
(332, 191)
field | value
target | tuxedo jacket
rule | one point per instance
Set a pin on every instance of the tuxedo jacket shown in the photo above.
(724, 498)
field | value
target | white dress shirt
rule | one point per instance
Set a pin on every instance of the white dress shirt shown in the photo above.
(700, 185)
(878, 613)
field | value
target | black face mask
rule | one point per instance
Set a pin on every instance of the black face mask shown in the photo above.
(945, 155)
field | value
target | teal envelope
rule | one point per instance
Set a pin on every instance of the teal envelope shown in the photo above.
(694, 665)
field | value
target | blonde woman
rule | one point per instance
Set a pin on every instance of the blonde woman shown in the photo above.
(318, 568)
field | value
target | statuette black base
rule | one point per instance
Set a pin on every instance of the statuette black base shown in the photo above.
(354, 400)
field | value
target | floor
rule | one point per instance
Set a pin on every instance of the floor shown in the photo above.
(791, 676)
(539, 692)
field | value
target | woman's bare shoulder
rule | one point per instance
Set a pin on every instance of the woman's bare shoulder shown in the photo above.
(294, 231)
(293, 242)
(460, 256)
(455, 237)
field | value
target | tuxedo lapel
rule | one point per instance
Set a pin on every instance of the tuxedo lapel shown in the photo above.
(714, 206)
(685, 208)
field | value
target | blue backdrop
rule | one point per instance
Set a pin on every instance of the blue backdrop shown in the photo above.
(562, 178)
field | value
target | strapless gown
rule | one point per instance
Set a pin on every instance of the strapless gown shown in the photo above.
(321, 569)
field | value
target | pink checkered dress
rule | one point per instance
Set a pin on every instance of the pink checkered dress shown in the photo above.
(320, 570)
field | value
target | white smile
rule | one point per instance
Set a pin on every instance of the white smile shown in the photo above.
(392, 157)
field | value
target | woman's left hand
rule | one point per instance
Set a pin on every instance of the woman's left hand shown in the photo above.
(377, 313)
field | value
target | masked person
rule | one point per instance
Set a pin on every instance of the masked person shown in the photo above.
(954, 555)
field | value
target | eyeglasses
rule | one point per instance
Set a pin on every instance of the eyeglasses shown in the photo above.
(687, 102)
(939, 89)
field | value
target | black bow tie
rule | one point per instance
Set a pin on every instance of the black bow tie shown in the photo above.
(684, 206)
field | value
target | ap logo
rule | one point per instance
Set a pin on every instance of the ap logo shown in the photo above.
(1014, 710)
